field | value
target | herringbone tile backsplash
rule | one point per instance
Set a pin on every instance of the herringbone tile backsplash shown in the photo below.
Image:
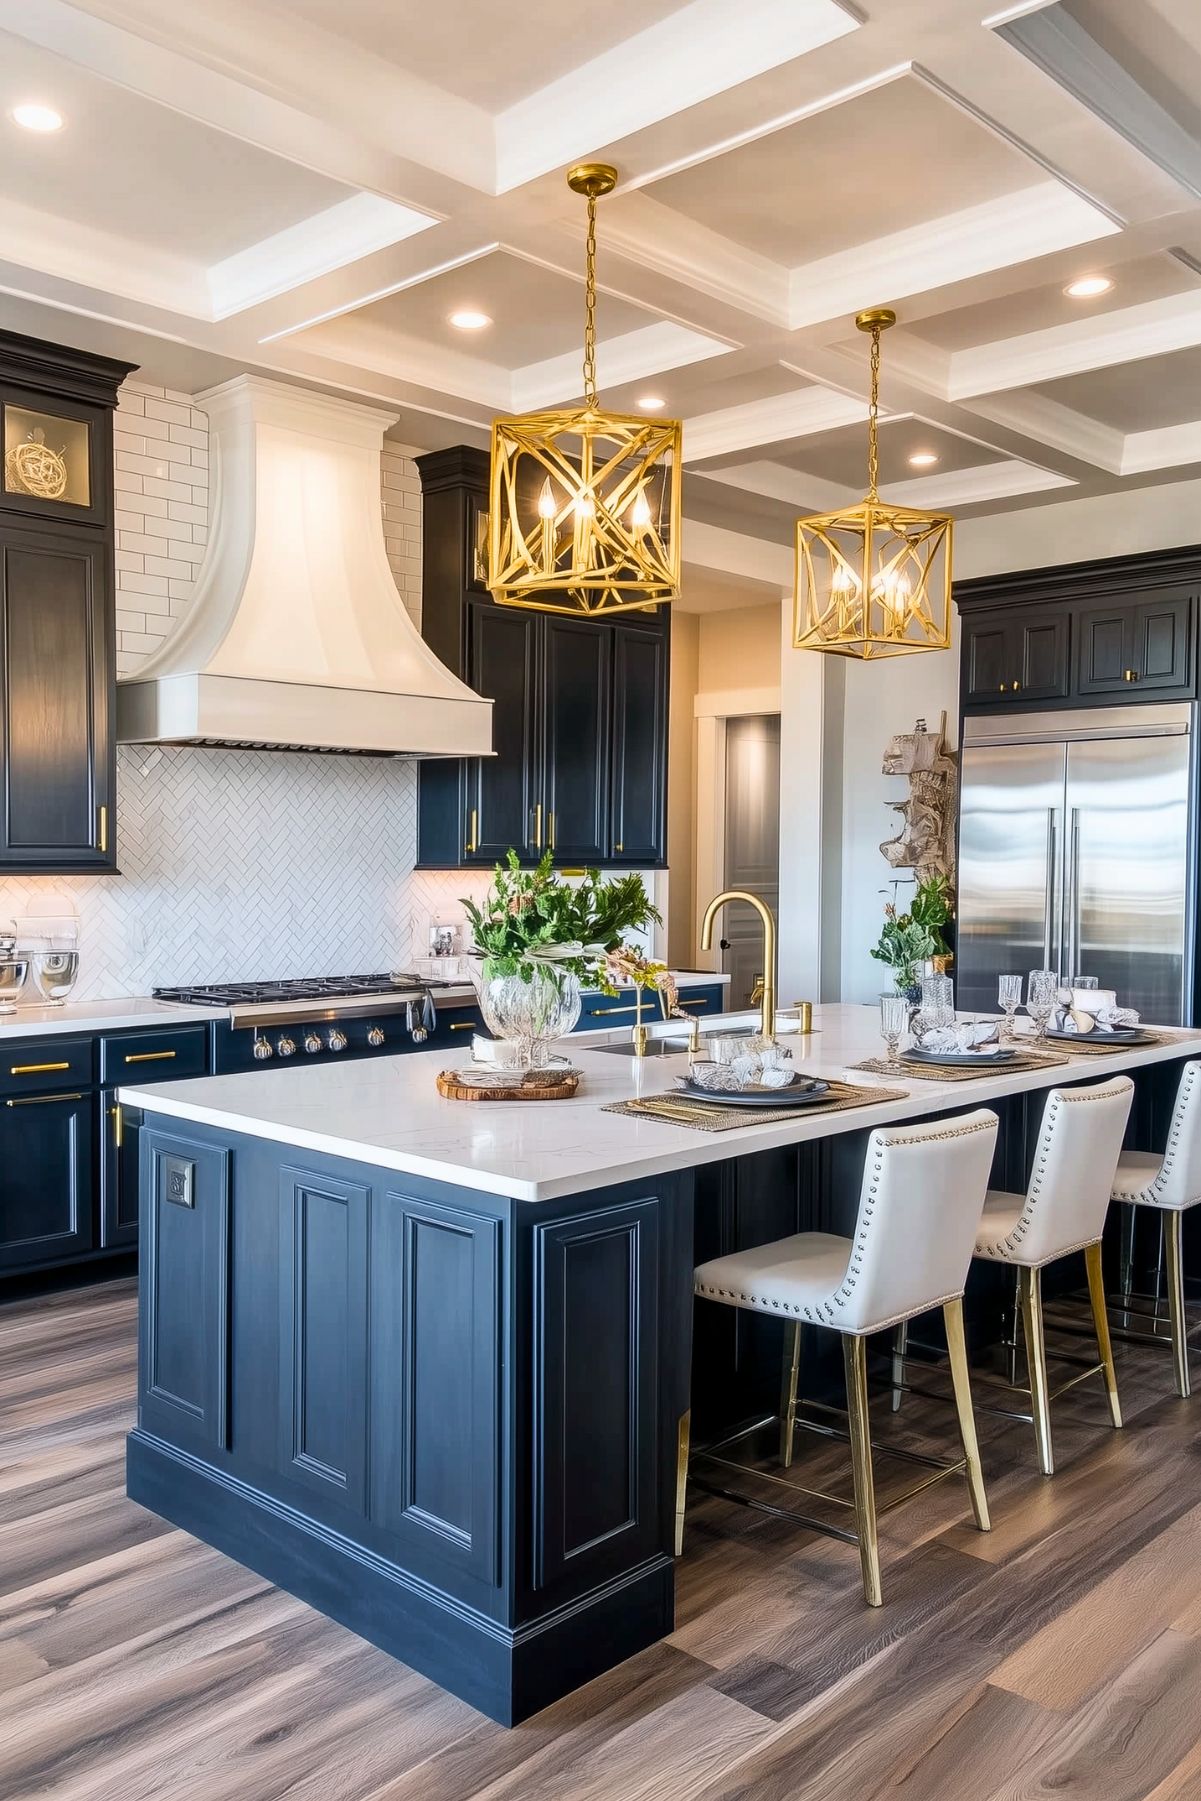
(243, 864)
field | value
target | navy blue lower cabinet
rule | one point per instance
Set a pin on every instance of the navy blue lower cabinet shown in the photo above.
(444, 1418)
(47, 1184)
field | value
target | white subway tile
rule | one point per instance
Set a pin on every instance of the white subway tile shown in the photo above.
(156, 431)
(126, 482)
(128, 622)
(157, 605)
(163, 565)
(177, 529)
(182, 509)
(173, 412)
(128, 440)
(142, 640)
(140, 465)
(187, 434)
(129, 560)
(168, 490)
(152, 547)
(133, 583)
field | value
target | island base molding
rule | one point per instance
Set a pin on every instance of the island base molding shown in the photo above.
(507, 1673)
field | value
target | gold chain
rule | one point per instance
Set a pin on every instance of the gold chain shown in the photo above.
(873, 448)
(590, 309)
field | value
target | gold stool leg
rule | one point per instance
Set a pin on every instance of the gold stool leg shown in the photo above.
(1031, 1291)
(952, 1314)
(1096, 1294)
(854, 1356)
(788, 1388)
(1174, 1245)
(683, 1433)
(900, 1350)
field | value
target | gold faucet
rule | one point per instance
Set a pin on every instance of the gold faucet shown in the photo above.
(767, 1004)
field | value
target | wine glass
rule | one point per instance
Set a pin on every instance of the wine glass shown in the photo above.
(1086, 982)
(894, 1021)
(1042, 993)
(1009, 995)
(56, 968)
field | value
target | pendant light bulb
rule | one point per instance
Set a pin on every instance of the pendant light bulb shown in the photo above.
(640, 512)
(585, 506)
(547, 504)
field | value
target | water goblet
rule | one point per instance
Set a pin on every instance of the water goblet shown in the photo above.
(1086, 981)
(938, 1000)
(894, 1021)
(1042, 993)
(1009, 995)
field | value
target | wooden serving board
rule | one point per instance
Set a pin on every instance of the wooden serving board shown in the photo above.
(456, 1085)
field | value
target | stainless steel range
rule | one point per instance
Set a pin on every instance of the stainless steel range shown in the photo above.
(319, 1017)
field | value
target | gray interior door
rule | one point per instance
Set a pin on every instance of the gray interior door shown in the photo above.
(1011, 830)
(752, 843)
(1126, 869)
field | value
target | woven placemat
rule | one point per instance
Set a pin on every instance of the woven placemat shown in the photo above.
(959, 1072)
(1098, 1046)
(712, 1116)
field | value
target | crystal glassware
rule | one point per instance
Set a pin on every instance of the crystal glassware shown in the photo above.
(1009, 995)
(55, 970)
(894, 1021)
(938, 1001)
(530, 1006)
(1086, 981)
(1042, 993)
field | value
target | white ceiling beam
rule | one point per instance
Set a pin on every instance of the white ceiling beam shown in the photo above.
(734, 553)
(1045, 422)
(344, 233)
(1013, 228)
(650, 350)
(657, 237)
(774, 420)
(1166, 448)
(1124, 335)
(709, 47)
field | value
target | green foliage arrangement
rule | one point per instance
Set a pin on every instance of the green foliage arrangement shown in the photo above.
(532, 919)
(931, 908)
(908, 940)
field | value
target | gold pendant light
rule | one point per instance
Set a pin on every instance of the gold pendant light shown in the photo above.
(873, 580)
(584, 511)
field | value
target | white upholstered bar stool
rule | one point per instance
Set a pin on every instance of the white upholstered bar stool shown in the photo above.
(1062, 1211)
(1172, 1184)
(919, 1205)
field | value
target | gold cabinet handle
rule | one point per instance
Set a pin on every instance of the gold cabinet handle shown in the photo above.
(473, 843)
(118, 1133)
(149, 1056)
(538, 825)
(43, 1100)
(34, 1069)
(466, 1025)
(550, 831)
(597, 1011)
(102, 830)
(703, 1002)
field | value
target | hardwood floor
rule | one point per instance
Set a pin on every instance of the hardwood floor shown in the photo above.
(1058, 1656)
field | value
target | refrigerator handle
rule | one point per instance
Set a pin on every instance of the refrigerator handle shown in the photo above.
(1073, 900)
(1049, 912)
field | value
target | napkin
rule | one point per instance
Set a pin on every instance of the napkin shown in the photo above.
(1092, 1019)
(978, 1036)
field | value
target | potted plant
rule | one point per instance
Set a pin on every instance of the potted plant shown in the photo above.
(537, 937)
(931, 907)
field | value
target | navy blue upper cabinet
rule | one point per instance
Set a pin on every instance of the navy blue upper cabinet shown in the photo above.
(579, 714)
(57, 656)
(1083, 634)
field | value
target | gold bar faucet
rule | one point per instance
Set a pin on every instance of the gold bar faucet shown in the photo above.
(767, 1004)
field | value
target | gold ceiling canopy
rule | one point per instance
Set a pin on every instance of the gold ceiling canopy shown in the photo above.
(874, 579)
(584, 508)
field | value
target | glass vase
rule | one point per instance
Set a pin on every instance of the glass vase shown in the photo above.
(529, 1007)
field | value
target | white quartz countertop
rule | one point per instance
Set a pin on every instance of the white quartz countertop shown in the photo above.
(102, 1016)
(684, 978)
(388, 1112)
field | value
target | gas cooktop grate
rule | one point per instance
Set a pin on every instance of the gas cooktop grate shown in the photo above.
(300, 988)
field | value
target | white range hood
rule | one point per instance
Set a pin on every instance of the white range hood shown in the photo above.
(296, 637)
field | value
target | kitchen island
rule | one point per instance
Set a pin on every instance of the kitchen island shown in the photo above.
(424, 1363)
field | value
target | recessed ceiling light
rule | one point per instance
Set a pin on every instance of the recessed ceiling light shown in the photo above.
(1088, 287)
(923, 459)
(467, 319)
(36, 117)
(651, 403)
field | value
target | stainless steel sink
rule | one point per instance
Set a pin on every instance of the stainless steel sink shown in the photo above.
(672, 1047)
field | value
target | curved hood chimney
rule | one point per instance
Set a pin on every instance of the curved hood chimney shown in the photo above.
(296, 637)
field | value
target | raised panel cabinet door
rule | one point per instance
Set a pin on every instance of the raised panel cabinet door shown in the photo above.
(436, 1362)
(1043, 646)
(503, 664)
(1162, 640)
(637, 832)
(117, 1129)
(596, 1384)
(577, 689)
(183, 1290)
(55, 703)
(46, 1186)
(1106, 661)
(989, 659)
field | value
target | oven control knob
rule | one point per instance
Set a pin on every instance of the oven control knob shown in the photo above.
(336, 1040)
(375, 1036)
(262, 1050)
(312, 1043)
(286, 1047)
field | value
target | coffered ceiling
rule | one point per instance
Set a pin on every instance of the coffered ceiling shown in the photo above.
(314, 187)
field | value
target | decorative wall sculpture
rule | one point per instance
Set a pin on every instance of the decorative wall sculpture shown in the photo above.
(926, 841)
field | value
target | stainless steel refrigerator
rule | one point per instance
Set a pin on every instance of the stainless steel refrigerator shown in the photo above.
(1076, 853)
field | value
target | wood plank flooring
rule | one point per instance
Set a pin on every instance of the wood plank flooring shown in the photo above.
(1059, 1656)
